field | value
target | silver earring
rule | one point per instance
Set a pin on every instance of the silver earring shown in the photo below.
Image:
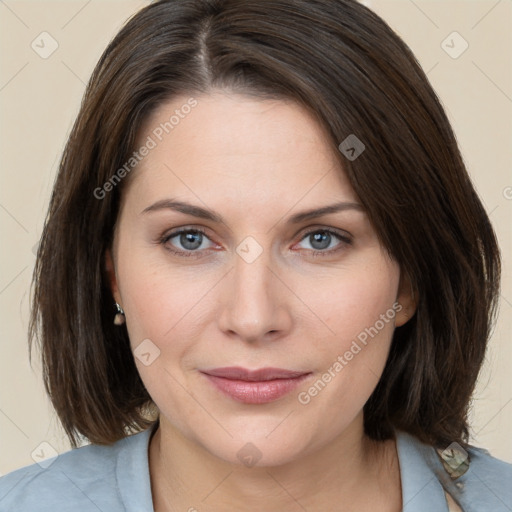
(119, 319)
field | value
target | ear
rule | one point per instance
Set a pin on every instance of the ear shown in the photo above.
(408, 300)
(111, 276)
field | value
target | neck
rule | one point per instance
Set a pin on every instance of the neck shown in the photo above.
(351, 470)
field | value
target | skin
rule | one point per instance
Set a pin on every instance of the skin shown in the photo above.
(256, 163)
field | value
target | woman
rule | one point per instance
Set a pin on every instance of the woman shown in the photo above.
(304, 278)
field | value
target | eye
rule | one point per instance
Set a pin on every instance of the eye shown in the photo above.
(185, 242)
(324, 241)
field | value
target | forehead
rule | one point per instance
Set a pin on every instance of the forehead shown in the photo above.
(235, 147)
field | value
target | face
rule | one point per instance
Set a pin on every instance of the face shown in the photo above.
(221, 260)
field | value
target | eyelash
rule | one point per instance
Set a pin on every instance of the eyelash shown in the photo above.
(185, 254)
(344, 240)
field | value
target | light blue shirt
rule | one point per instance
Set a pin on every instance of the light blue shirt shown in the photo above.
(116, 478)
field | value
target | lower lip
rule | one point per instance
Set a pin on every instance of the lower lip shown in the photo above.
(258, 392)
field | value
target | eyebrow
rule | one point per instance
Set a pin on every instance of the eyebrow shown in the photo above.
(203, 213)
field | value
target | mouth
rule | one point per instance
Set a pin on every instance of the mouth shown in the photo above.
(255, 386)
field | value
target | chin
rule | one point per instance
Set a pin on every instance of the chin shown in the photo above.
(261, 444)
(248, 454)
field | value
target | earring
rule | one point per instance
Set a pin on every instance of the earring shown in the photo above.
(119, 319)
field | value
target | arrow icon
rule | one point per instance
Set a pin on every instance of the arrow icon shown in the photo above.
(44, 454)
(352, 147)
(147, 352)
(454, 45)
(249, 455)
(249, 249)
(44, 45)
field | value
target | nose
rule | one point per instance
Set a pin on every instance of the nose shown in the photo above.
(255, 302)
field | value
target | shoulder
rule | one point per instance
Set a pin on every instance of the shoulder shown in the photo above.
(91, 477)
(487, 484)
(475, 479)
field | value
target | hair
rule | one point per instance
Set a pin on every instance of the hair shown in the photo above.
(347, 67)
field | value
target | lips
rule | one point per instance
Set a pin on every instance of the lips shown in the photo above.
(255, 386)
(263, 374)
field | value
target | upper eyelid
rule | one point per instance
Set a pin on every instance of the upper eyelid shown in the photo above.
(305, 231)
(171, 234)
(336, 231)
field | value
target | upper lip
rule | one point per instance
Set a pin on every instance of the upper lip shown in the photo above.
(261, 374)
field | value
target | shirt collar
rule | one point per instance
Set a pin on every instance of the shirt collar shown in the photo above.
(132, 472)
(421, 489)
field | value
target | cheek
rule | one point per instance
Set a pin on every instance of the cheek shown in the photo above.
(158, 296)
(168, 308)
(360, 311)
(354, 304)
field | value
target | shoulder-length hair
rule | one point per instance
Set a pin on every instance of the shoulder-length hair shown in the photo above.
(357, 77)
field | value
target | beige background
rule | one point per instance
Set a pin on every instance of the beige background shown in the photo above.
(39, 98)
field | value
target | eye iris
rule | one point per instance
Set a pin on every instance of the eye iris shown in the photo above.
(320, 240)
(191, 240)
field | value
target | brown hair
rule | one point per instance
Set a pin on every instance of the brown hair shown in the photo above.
(342, 62)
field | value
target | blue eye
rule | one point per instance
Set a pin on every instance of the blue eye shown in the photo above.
(325, 241)
(186, 241)
(194, 242)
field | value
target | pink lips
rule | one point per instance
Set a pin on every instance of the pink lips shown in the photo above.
(255, 386)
